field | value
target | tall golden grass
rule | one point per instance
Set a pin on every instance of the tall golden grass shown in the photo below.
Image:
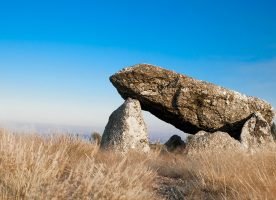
(32, 167)
(63, 167)
(220, 175)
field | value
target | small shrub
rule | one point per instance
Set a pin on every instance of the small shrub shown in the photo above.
(96, 138)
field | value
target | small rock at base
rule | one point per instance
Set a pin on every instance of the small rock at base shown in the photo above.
(175, 143)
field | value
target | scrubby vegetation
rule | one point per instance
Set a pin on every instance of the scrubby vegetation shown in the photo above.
(95, 138)
(62, 167)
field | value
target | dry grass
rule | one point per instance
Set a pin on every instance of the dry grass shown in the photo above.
(220, 175)
(62, 167)
(67, 168)
(238, 176)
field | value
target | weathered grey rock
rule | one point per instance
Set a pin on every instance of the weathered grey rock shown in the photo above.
(273, 131)
(217, 141)
(256, 132)
(126, 129)
(190, 105)
(175, 143)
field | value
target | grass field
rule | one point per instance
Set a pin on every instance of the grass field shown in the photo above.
(63, 167)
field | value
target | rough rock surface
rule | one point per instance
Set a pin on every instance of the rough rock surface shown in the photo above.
(174, 143)
(190, 105)
(204, 141)
(126, 129)
(256, 132)
(273, 131)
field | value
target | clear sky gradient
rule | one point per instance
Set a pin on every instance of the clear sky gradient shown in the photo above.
(56, 56)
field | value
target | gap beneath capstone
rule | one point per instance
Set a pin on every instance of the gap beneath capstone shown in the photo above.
(159, 130)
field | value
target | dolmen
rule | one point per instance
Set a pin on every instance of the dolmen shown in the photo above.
(189, 104)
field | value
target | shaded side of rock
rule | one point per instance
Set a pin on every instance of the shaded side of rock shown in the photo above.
(256, 132)
(273, 131)
(190, 105)
(204, 141)
(175, 143)
(126, 129)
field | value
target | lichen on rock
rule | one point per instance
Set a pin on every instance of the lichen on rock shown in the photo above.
(218, 141)
(126, 129)
(190, 105)
(256, 132)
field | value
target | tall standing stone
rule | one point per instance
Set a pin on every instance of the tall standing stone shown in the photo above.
(126, 129)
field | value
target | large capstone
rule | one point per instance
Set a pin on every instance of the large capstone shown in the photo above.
(190, 105)
(126, 129)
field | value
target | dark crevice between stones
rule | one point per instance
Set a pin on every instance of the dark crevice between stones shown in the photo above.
(175, 99)
(235, 129)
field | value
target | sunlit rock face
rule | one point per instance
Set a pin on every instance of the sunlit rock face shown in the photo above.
(256, 132)
(217, 142)
(190, 105)
(126, 129)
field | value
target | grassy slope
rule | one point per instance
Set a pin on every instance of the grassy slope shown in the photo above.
(61, 167)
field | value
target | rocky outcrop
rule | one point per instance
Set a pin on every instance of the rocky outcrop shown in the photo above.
(256, 132)
(175, 143)
(204, 141)
(126, 129)
(190, 105)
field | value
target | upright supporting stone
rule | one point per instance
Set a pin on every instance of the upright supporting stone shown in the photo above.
(126, 129)
(256, 132)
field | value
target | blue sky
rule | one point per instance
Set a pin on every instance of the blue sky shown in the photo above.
(56, 56)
